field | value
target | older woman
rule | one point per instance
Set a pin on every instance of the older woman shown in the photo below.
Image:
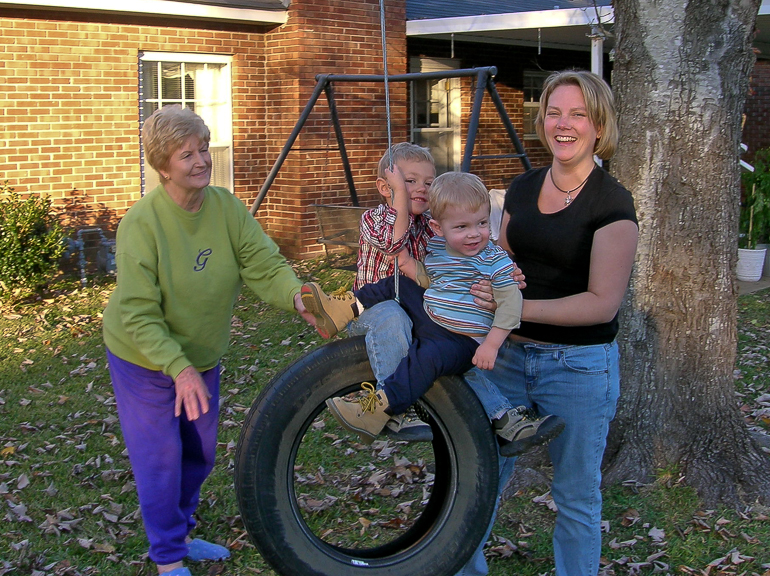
(183, 252)
(573, 230)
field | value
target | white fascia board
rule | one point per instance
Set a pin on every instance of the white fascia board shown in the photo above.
(510, 21)
(161, 8)
(764, 8)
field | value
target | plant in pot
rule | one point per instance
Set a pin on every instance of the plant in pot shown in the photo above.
(755, 219)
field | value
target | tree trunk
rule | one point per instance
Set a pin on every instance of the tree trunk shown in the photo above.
(680, 79)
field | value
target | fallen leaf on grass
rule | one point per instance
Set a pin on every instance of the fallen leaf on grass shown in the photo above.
(657, 535)
(615, 545)
(364, 525)
(20, 511)
(630, 517)
(104, 548)
(547, 501)
(22, 482)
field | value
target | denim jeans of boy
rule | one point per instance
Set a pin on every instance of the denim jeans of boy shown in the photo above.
(581, 384)
(388, 334)
(494, 402)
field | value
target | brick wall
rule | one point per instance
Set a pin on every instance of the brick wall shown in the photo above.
(69, 107)
(312, 44)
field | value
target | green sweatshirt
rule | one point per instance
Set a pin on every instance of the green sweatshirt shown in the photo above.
(179, 275)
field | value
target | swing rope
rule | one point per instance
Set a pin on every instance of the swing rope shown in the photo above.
(387, 112)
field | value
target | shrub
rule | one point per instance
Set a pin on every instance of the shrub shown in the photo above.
(31, 242)
(755, 212)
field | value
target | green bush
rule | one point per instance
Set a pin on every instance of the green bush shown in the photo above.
(31, 242)
(755, 212)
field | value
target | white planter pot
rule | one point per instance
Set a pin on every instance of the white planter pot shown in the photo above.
(766, 269)
(750, 263)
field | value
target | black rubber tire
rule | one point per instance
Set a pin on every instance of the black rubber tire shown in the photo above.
(450, 527)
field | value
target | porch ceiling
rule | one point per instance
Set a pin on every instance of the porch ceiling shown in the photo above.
(561, 24)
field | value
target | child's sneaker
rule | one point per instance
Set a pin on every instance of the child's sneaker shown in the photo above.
(332, 313)
(365, 417)
(520, 429)
(408, 429)
(199, 550)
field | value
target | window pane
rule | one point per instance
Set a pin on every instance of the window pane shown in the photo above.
(533, 88)
(421, 104)
(171, 82)
(441, 146)
(530, 113)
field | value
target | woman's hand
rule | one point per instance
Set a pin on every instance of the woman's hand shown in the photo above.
(192, 393)
(484, 296)
(302, 311)
(518, 276)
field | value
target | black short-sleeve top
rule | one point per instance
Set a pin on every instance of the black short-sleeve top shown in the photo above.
(554, 250)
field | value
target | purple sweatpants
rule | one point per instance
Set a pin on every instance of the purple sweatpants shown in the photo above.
(170, 456)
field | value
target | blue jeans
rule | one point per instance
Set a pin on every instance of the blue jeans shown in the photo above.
(582, 385)
(435, 351)
(494, 402)
(388, 334)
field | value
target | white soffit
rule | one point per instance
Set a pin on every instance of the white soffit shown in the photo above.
(511, 21)
(161, 8)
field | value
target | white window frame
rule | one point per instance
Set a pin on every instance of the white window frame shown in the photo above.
(216, 109)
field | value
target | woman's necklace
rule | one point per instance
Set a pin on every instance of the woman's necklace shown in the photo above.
(568, 199)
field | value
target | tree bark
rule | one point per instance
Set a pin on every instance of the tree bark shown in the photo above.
(680, 79)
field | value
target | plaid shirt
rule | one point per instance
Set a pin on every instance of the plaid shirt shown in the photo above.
(377, 243)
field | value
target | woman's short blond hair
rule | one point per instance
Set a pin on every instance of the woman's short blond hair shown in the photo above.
(600, 106)
(457, 189)
(403, 151)
(166, 130)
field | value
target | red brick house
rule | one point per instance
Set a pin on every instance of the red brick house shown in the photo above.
(78, 80)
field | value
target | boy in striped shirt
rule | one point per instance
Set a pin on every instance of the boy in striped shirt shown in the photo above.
(452, 333)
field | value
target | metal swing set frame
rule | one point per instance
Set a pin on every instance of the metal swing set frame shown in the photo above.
(339, 224)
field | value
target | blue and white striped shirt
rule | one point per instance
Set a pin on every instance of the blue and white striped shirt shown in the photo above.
(448, 300)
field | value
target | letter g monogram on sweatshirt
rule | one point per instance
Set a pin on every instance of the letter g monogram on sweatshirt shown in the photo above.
(200, 261)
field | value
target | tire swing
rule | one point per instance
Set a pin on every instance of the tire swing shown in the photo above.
(315, 502)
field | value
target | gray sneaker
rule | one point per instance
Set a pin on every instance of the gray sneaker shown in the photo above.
(408, 429)
(520, 429)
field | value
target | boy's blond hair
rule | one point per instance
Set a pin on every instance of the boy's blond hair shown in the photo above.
(457, 189)
(404, 151)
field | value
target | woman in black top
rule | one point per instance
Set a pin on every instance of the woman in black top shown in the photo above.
(572, 229)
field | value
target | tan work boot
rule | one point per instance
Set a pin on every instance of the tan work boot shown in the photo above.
(332, 313)
(365, 417)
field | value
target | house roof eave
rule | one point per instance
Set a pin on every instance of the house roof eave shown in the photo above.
(172, 8)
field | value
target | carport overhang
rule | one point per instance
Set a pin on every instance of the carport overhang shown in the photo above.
(584, 29)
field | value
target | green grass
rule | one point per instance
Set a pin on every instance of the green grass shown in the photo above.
(71, 508)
